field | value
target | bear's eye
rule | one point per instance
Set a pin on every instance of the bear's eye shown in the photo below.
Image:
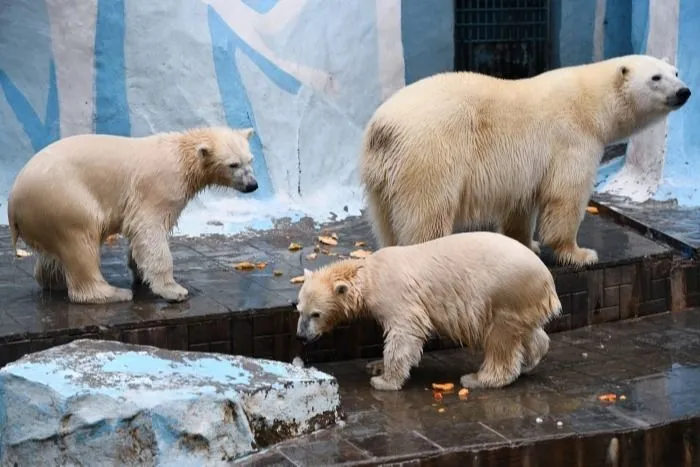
(235, 165)
(315, 315)
(656, 77)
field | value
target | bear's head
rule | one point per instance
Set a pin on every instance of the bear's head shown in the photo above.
(652, 86)
(225, 159)
(328, 297)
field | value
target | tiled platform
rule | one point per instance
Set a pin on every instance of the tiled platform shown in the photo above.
(249, 312)
(552, 417)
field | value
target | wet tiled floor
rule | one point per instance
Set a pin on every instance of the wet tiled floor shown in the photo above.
(668, 222)
(206, 267)
(652, 365)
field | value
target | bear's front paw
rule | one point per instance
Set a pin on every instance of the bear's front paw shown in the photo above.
(578, 256)
(172, 292)
(381, 384)
(470, 381)
(375, 368)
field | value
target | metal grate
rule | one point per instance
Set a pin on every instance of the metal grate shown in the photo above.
(504, 38)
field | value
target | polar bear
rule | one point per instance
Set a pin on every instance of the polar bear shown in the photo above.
(77, 191)
(460, 150)
(479, 289)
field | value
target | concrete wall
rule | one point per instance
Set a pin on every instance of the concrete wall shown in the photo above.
(307, 74)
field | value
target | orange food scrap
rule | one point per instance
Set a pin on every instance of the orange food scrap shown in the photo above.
(623, 397)
(294, 246)
(437, 396)
(327, 240)
(297, 280)
(334, 236)
(463, 393)
(244, 266)
(261, 265)
(610, 397)
(360, 243)
(360, 254)
(443, 386)
(592, 210)
(441, 409)
(277, 273)
(112, 239)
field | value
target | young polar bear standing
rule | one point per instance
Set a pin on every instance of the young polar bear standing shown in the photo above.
(77, 191)
(478, 289)
(462, 150)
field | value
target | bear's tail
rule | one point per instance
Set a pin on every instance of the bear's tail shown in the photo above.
(550, 306)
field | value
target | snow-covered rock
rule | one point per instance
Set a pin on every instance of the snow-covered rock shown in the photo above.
(106, 403)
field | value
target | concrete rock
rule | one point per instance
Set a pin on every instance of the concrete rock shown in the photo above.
(104, 403)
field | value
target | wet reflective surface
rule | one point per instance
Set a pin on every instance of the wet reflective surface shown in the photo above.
(652, 365)
(205, 266)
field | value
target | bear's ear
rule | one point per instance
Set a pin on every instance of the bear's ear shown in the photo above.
(203, 150)
(666, 59)
(307, 273)
(247, 133)
(340, 287)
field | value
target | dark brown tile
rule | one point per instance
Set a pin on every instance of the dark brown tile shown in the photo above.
(322, 453)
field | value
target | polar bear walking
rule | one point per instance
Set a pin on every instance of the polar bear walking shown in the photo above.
(479, 289)
(77, 191)
(462, 150)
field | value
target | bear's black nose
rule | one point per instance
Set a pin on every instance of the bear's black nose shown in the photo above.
(683, 95)
(250, 187)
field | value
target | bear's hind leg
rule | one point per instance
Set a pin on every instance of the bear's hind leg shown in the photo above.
(151, 252)
(81, 258)
(422, 217)
(503, 359)
(49, 273)
(520, 226)
(380, 219)
(559, 224)
(133, 267)
(536, 347)
(401, 352)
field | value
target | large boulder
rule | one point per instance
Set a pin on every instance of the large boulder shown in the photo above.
(105, 403)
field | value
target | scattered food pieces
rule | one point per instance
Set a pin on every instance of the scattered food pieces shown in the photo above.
(360, 254)
(261, 265)
(560, 424)
(334, 236)
(607, 397)
(584, 354)
(327, 240)
(20, 253)
(463, 393)
(294, 246)
(623, 397)
(441, 409)
(244, 266)
(592, 210)
(112, 239)
(311, 256)
(360, 244)
(297, 280)
(437, 396)
(539, 420)
(443, 386)
(298, 362)
(277, 273)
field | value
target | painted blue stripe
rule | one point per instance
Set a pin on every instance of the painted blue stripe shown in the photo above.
(618, 28)
(261, 6)
(111, 105)
(237, 107)
(427, 35)
(40, 134)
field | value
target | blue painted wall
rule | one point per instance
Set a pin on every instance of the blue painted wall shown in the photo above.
(134, 67)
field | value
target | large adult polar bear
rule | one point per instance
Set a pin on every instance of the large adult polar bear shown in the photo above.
(77, 191)
(462, 150)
